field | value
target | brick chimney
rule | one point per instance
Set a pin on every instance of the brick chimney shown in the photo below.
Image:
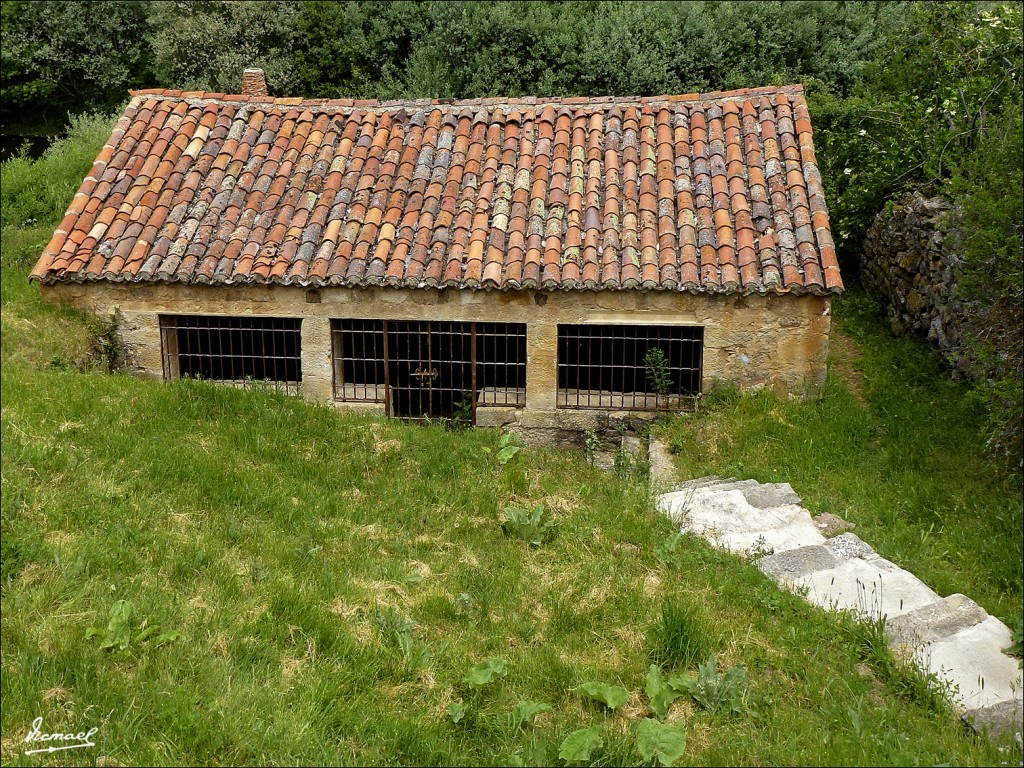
(254, 82)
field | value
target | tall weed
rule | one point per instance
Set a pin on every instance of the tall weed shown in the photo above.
(39, 191)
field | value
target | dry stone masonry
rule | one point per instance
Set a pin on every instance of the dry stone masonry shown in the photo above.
(910, 265)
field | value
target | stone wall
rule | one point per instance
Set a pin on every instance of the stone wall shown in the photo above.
(910, 266)
(753, 341)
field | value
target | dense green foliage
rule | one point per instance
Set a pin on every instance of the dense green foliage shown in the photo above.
(901, 93)
(206, 44)
(40, 190)
(440, 48)
(990, 190)
(59, 57)
(919, 109)
(954, 113)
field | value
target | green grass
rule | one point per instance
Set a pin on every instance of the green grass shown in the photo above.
(333, 578)
(893, 446)
(681, 638)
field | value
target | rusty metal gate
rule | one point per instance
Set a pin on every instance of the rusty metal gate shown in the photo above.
(425, 369)
(431, 370)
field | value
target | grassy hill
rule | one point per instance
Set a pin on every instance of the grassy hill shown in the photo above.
(217, 576)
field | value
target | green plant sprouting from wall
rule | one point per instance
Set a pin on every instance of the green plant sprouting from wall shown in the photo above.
(656, 369)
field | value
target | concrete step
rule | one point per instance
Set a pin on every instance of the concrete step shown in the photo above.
(701, 482)
(729, 521)
(760, 495)
(951, 637)
(874, 588)
(1005, 717)
(935, 621)
(847, 545)
(972, 660)
(788, 566)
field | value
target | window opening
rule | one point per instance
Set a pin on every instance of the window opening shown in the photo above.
(233, 350)
(430, 369)
(629, 367)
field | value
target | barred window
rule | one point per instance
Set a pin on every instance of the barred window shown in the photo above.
(629, 367)
(233, 350)
(359, 360)
(429, 369)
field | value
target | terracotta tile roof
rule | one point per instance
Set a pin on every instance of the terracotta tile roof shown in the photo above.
(716, 192)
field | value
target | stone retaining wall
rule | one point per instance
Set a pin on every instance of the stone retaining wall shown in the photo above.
(910, 265)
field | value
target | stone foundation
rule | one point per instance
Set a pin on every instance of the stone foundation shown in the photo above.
(752, 341)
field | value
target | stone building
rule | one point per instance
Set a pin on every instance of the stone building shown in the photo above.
(540, 263)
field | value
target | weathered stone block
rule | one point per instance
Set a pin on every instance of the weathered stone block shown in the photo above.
(581, 420)
(496, 416)
(531, 419)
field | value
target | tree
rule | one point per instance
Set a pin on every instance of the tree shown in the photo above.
(356, 50)
(60, 56)
(206, 44)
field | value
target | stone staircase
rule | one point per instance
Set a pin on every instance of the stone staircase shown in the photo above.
(952, 637)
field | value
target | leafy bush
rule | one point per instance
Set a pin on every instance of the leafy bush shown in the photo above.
(988, 188)
(119, 635)
(665, 742)
(656, 371)
(578, 746)
(531, 527)
(84, 56)
(60, 56)
(612, 696)
(397, 629)
(188, 44)
(717, 692)
(918, 109)
(485, 672)
(356, 50)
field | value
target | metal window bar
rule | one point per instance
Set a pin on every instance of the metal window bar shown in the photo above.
(240, 351)
(429, 369)
(501, 364)
(608, 366)
(359, 357)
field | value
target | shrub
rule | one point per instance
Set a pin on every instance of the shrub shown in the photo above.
(189, 51)
(988, 189)
(60, 56)
(40, 190)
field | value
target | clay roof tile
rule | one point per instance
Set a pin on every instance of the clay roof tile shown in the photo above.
(700, 192)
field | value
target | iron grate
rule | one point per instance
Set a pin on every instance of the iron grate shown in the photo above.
(629, 367)
(429, 369)
(239, 351)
